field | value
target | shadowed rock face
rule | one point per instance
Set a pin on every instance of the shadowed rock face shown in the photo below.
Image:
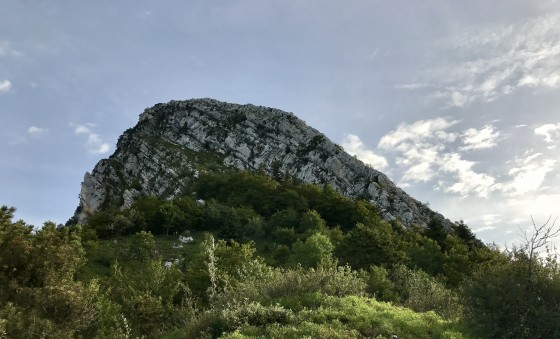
(174, 142)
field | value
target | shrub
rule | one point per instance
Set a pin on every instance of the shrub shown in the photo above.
(502, 301)
(315, 248)
(421, 292)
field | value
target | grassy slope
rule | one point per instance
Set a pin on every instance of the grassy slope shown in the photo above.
(357, 317)
(335, 317)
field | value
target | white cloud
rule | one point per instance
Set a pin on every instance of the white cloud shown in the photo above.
(493, 61)
(411, 86)
(528, 174)
(5, 86)
(467, 180)
(422, 172)
(548, 131)
(354, 146)
(485, 228)
(419, 161)
(424, 154)
(81, 130)
(34, 130)
(95, 143)
(470, 182)
(418, 131)
(483, 138)
(101, 149)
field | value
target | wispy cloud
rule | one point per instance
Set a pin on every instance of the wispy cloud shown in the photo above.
(411, 86)
(484, 229)
(7, 50)
(354, 146)
(494, 61)
(475, 139)
(95, 143)
(5, 86)
(491, 218)
(528, 173)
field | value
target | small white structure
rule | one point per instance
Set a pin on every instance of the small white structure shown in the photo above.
(168, 264)
(185, 240)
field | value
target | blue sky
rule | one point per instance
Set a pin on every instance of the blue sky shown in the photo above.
(457, 101)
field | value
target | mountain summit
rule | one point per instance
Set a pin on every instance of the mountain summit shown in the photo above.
(174, 143)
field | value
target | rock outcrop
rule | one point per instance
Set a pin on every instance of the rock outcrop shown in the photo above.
(173, 143)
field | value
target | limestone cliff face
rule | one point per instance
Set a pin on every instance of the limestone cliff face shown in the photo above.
(174, 142)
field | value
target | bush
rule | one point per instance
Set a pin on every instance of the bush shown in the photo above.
(414, 289)
(379, 285)
(502, 301)
(367, 245)
(315, 248)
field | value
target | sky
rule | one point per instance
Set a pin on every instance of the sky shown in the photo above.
(458, 102)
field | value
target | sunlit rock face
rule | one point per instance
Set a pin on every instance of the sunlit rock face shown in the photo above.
(173, 143)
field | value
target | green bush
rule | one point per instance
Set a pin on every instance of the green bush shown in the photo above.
(375, 244)
(354, 317)
(421, 292)
(311, 252)
(379, 284)
(502, 300)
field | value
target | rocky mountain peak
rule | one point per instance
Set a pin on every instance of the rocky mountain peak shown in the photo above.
(174, 142)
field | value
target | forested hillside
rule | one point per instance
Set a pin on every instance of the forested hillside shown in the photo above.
(244, 255)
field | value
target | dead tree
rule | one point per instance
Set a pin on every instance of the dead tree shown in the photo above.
(540, 237)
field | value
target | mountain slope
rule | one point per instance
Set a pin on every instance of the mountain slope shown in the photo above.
(173, 143)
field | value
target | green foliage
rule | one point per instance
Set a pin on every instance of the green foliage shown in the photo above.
(287, 218)
(502, 301)
(142, 246)
(241, 189)
(425, 254)
(315, 249)
(216, 265)
(125, 274)
(414, 289)
(380, 285)
(436, 232)
(311, 222)
(39, 296)
(465, 234)
(375, 244)
(267, 196)
(354, 317)
(153, 298)
(421, 292)
(284, 236)
(216, 322)
(458, 261)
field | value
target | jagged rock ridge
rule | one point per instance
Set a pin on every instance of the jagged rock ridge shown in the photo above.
(174, 142)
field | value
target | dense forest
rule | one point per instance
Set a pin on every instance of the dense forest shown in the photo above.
(248, 256)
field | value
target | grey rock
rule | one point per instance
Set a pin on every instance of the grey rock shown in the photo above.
(173, 143)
